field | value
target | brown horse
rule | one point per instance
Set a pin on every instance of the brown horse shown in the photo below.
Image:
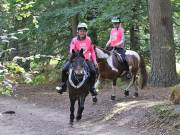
(112, 66)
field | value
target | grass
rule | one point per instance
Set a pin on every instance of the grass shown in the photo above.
(167, 111)
(168, 117)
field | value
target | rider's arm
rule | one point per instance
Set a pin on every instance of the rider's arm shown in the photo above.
(109, 41)
(93, 54)
(72, 46)
(122, 40)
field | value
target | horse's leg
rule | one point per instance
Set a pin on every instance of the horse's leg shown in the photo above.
(72, 102)
(126, 91)
(113, 96)
(136, 88)
(94, 98)
(81, 101)
(130, 71)
(97, 84)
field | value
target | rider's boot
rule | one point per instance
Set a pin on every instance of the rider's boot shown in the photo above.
(62, 88)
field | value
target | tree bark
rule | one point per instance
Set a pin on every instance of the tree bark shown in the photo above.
(134, 28)
(75, 19)
(163, 72)
(134, 37)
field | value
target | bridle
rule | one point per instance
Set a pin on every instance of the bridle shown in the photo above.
(80, 83)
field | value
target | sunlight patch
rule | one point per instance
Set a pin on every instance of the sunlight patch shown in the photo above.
(125, 106)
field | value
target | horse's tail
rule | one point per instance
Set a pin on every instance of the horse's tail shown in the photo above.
(143, 73)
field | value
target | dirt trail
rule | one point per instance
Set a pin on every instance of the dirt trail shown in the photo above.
(41, 111)
(32, 120)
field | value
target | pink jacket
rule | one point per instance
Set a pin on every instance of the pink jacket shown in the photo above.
(116, 37)
(86, 45)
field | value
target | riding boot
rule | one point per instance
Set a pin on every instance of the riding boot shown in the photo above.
(63, 86)
(128, 74)
(122, 52)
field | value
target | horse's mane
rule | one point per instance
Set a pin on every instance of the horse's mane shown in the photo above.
(105, 51)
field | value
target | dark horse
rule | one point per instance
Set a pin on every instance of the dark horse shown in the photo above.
(112, 66)
(78, 83)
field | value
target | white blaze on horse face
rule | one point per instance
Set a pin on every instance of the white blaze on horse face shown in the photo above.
(129, 52)
(110, 63)
(101, 54)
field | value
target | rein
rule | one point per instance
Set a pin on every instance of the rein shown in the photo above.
(80, 83)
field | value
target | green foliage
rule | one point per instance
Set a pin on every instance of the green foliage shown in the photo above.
(49, 22)
(6, 85)
(39, 32)
(39, 79)
(14, 68)
(6, 90)
(167, 111)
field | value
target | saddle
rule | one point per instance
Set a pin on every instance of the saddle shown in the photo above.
(120, 60)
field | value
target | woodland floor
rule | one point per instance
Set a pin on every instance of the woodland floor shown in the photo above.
(39, 110)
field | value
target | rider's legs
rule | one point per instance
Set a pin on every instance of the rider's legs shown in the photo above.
(109, 48)
(63, 85)
(92, 77)
(122, 51)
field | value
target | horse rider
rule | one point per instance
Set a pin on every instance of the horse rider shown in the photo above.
(81, 41)
(117, 40)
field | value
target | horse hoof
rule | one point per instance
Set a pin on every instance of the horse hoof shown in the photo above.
(113, 98)
(71, 123)
(94, 99)
(78, 118)
(126, 93)
(136, 94)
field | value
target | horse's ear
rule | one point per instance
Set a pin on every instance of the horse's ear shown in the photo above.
(73, 52)
(81, 51)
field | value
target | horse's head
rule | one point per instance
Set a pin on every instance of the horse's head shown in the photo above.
(77, 61)
(78, 72)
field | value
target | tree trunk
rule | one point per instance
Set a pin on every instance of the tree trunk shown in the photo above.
(163, 72)
(134, 37)
(75, 19)
(134, 28)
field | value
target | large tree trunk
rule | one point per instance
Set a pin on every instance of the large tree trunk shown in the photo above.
(134, 28)
(75, 19)
(163, 72)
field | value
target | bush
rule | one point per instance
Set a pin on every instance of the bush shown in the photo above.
(39, 79)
